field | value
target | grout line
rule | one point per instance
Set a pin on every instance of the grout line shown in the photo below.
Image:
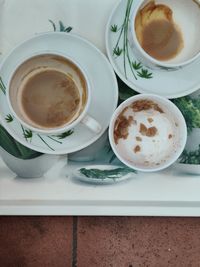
(74, 241)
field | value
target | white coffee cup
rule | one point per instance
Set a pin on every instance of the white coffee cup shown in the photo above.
(51, 61)
(186, 15)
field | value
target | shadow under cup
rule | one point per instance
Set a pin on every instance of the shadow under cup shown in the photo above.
(48, 93)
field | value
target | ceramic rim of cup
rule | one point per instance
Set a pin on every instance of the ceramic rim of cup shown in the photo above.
(63, 128)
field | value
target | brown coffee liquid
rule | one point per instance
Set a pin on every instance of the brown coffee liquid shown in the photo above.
(157, 31)
(50, 99)
(162, 40)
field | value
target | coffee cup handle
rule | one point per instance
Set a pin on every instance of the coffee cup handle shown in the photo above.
(92, 124)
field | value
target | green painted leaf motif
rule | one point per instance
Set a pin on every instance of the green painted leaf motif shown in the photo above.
(68, 29)
(2, 86)
(53, 139)
(123, 40)
(46, 143)
(53, 24)
(114, 28)
(65, 135)
(28, 134)
(136, 65)
(106, 174)
(61, 27)
(9, 118)
(144, 73)
(117, 51)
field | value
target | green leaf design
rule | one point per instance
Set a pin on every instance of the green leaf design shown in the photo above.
(144, 73)
(106, 174)
(64, 135)
(28, 134)
(114, 28)
(61, 27)
(53, 24)
(42, 139)
(9, 144)
(191, 157)
(190, 109)
(9, 118)
(127, 60)
(53, 139)
(68, 29)
(117, 51)
(2, 86)
(136, 65)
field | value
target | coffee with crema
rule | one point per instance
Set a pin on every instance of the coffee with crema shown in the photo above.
(50, 98)
(51, 93)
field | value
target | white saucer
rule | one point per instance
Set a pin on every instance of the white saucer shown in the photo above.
(104, 179)
(166, 83)
(104, 92)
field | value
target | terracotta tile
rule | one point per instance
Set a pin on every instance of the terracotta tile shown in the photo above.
(35, 241)
(138, 242)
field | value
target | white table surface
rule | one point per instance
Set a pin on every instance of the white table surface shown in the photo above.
(158, 194)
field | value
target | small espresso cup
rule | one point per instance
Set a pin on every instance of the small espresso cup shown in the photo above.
(161, 26)
(50, 93)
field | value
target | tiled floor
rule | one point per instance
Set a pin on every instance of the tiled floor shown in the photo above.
(35, 242)
(99, 241)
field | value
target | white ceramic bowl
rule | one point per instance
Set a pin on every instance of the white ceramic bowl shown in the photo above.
(186, 14)
(150, 153)
(31, 168)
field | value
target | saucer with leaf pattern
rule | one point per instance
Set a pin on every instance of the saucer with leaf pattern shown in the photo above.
(164, 82)
(104, 93)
